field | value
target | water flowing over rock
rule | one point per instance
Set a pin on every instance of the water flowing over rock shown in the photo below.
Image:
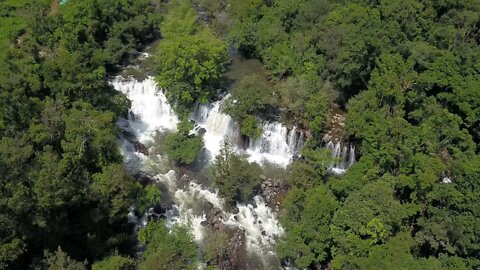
(199, 208)
(217, 126)
(150, 112)
(447, 177)
(255, 225)
(343, 157)
(260, 225)
(277, 144)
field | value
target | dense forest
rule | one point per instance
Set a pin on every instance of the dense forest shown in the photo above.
(405, 75)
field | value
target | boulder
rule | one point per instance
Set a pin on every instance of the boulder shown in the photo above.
(213, 219)
(235, 252)
(273, 191)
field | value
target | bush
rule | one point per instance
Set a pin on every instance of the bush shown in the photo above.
(148, 197)
(236, 179)
(183, 147)
(115, 262)
(251, 98)
(166, 249)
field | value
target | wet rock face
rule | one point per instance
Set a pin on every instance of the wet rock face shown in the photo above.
(139, 147)
(213, 219)
(144, 179)
(273, 190)
(235, 251)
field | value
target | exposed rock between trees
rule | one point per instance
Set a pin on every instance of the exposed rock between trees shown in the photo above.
(234, 252)
(235, 247)
(273, 191)
(213, 219)
(336, 126)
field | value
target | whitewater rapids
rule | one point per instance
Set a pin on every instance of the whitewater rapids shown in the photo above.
(150, 115)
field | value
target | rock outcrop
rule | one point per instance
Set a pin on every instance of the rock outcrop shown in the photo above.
(273, 191)
(139, 147)
(336, 126)
(234, 252)
(213, 219)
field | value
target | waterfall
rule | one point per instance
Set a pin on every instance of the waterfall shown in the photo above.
(217, 126)
(257, 220)
(150, 111)
(260, 225)
(343, 157)
(277, 144)
(150, 114)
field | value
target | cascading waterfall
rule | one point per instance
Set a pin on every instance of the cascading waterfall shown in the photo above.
(342, 157)
(150, 111)
(150, 114)
(257, 220)
(217, 126)
(260, 225)
(277, 144)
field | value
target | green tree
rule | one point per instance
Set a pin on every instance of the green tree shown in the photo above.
(115, 262)
(216, 248)
(306, 217)
(180, 20)
(59, 260)
(235, 178)
(182, 147)
(190, 67)
(368, 217)
(115, 189)
(148, 196)
(167, 250)
(251, 98)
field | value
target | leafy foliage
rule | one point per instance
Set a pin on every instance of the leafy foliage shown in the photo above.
(167, 250)
(306, 219)
(183, 147)
(114, 262)
(63, 182)
(406, 72)
(190, 60)
(59, 260)
(235, 178)
(250, 98)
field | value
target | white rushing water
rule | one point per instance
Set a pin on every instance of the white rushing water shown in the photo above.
(343, 157)
(257, 220)
(277, 144)
(150, 114)
(150, 111)
(217, 126)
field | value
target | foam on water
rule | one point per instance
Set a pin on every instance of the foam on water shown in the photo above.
(260, 224)
(218, 127)
(277, 144)
(150, 111)
(257, 220)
